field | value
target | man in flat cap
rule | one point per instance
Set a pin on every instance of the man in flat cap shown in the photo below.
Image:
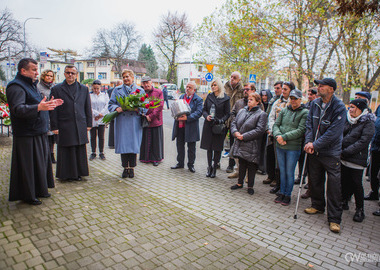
(152, 144)
(323, 143)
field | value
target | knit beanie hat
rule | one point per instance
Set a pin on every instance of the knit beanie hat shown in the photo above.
(360, 103)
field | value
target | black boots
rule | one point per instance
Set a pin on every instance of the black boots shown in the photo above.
(211, 171)
(359, 215)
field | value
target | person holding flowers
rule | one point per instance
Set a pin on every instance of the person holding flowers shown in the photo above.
(128, 129)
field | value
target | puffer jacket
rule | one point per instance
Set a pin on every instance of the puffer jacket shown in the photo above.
(291, 125)
(356, 139)
(252, 125)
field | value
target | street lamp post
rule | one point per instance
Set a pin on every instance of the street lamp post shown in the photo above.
(31, 18)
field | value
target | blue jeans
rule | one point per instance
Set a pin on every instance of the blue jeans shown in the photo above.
(287, 161)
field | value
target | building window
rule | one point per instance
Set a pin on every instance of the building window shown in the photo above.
(117, 76)
(200, 68)
(90, 75)
(102, 63)
(90, 64)
(103, 75)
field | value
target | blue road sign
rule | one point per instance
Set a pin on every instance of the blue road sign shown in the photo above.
(209, 77)
(100, 77)
(252, 78)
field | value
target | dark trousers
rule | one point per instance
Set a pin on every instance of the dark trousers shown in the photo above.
(318, 167)
(301, 160)
(181, 149)
(167, 103)
(97, 132)
(272, 171)
(128, 160)
(231, 161)
(111, 134)
(52, 140)
(352, 183)
(213, 156)
(245, 165)
(375, 166)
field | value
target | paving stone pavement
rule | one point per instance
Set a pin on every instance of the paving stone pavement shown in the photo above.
(173, 219)
(106, 223)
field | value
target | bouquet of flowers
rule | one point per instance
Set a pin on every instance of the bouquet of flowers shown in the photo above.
(132, 102)
(4, 113)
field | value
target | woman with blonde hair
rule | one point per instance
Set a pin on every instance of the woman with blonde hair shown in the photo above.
(216, 111)
(44, 86)
(128, 129)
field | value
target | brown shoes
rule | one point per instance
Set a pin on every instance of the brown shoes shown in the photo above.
(334, 227)
(313, 211)
(234, 175)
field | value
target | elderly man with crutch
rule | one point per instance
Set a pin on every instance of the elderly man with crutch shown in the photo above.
(323, 144)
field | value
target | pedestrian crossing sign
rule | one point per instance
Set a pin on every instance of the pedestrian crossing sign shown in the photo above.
(252, 78)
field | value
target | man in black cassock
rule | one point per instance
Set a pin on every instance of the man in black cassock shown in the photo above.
(31, 169)
(71, 121)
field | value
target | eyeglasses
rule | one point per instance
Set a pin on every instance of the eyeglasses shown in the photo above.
(247, 89)
(70, 73)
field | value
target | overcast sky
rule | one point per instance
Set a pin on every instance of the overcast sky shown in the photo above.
(71, 24)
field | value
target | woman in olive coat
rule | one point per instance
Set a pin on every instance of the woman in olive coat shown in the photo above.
(216, 110)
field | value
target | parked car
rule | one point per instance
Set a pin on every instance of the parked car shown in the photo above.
(172, 90)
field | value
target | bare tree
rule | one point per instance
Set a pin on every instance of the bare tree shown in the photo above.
(358, 7)
(64, 52)
(117, 44)
(172, 34)
(11, 38)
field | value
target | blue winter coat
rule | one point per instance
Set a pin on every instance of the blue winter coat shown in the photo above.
(192, 122)
(128, 130)
(329, 124)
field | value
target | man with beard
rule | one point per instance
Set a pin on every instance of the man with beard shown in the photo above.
(71, 122)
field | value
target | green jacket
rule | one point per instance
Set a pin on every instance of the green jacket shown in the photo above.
(291, 125)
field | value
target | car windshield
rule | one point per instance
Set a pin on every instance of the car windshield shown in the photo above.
(171, 87)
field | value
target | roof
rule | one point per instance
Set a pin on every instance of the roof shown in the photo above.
(159, 81)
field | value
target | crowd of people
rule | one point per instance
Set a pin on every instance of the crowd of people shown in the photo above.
(267, 133)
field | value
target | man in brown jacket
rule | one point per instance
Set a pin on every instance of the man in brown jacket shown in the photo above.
(235, 91)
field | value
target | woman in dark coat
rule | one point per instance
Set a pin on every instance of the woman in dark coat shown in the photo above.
(357, 134)
(248, 128)
(216, 110)
(47, 79)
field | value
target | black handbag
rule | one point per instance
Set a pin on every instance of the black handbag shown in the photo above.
(218, 129)
(144, 121)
